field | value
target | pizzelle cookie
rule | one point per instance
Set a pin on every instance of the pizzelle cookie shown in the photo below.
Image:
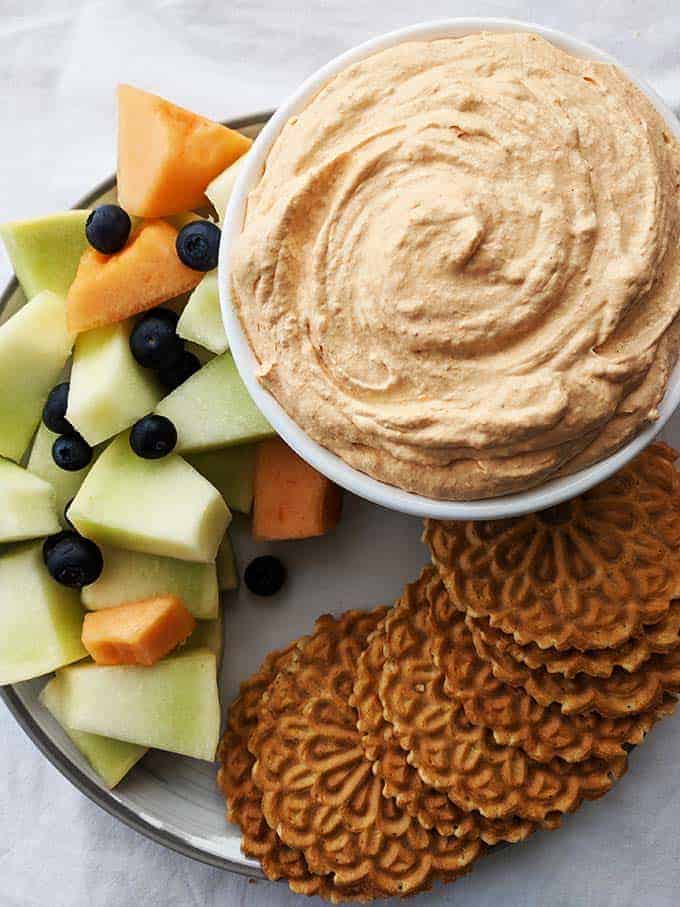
(460, 758)
(654, 639)
(432, 808)
(618, 696)
(513, 716)
(244, 799)
(319, 790)
(586, 574)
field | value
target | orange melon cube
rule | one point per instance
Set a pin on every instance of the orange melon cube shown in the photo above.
(110, 288)
(137, 633)
(291, 499)
(167, 155)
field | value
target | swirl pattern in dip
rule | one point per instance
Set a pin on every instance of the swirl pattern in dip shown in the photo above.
(460, 270)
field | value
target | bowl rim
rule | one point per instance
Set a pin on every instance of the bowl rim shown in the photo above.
(549, 493)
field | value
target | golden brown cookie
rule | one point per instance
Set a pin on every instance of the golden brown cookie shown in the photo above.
(586, 574)
(512, 715)
(617, 697)
(431, 807)
(319, 790)
(244, 799)
(654, 639)
(460, 758)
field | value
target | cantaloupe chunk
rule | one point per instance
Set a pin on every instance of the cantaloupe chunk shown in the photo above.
(111, 288)
(139, 632)
(292, 500)
(167, 155)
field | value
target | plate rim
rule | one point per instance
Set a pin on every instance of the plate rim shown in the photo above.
(42, 740)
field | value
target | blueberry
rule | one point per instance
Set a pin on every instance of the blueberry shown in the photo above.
(177, 374)
(265, 575)
(108, 228)
(153, 437)
(52, 540)
(71, 452)
(72, 560)
(154, 342)
(198, 244)
(54, 411)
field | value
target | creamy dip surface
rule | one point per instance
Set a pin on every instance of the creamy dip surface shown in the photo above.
(460, 270)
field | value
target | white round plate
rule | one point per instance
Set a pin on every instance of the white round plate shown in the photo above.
(367, 561)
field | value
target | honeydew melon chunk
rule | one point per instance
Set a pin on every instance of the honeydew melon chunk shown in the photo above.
(173, 705)
(111, 759)
(45, 251)
(201, 320)
(28, 508)
(231, 471)
(34, 346)
(220, 189)
(208, 634)
(159, 507)
(227, 576)
(109, 390)
(130, 576)
(40, 621)
(213, 409)
(41, 463)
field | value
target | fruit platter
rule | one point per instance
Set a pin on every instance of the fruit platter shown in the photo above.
(169, 797)
(210, 638)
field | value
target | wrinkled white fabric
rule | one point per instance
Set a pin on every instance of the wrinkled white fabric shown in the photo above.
(59, 63)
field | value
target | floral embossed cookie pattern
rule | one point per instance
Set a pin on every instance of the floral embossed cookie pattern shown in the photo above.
(389, 749)
(620, 695)
(461, 758)
(654, 639)
(244, 799)
(432, 808)
(509, 712)
(586, 574)
(320, 793)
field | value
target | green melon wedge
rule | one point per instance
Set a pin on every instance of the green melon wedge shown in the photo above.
(111, 759)
(201, 320)
(109, 390)
(34, 347)
(130, 576)
(208, 634)
(45, 251)
(41, 464)
(161, 507)
(220, 189)
(27, 505)
(227, 575)
(231, 470)
(173, 705)
(213, 409)
(40, 621)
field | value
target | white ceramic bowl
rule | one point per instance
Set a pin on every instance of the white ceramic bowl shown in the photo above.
(546, 495)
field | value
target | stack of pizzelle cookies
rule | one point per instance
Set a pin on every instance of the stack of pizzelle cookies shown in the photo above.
(390, 749)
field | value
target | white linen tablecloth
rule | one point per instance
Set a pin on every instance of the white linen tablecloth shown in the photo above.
(59, 63)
